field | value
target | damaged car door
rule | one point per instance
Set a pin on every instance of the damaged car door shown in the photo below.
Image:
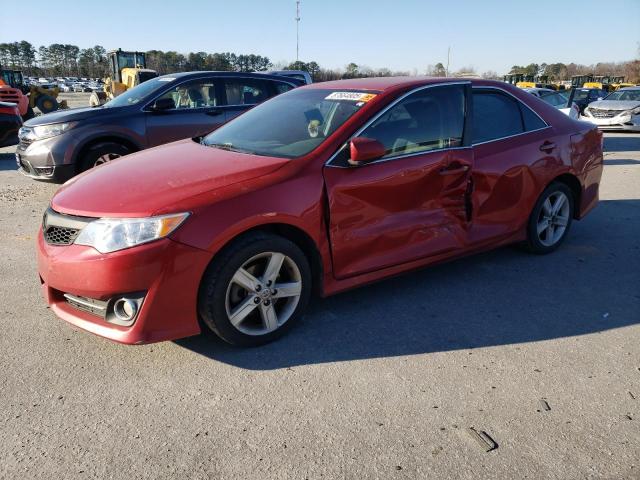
(412, 200)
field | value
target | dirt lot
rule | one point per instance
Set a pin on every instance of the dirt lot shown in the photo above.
(381, 382)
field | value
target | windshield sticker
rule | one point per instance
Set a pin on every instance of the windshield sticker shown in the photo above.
(166, 79)
(351, 96)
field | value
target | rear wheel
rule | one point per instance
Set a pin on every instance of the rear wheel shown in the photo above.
(102, 153)
(97, 98)
(255, 290)
(551, 218)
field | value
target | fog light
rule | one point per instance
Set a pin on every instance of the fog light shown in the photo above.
(125, 309)
(44, 171)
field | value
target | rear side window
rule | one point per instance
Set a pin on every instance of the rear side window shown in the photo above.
(531, 120)
(429, 119)
(246, 91)
(280, 87)
(497, 115)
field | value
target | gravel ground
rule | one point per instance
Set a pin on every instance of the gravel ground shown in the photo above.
(541, 353)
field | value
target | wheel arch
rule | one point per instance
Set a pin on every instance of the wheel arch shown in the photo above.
(295, 234)
(127, 142)
(574, 185)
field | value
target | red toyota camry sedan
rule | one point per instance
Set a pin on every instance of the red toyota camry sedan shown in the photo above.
(321, 189)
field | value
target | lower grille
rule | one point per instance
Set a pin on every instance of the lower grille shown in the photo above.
(90, 305)
(60, 235)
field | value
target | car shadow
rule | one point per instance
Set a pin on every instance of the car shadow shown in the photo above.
(629, 142)
(7, 161)
(501, 297)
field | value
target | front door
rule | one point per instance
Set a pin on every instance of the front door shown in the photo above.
(412, 203)
(196, 112)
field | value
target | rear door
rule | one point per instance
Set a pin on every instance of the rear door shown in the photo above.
(241, 94)
(511, 146)
(411, 203)
(196, 112)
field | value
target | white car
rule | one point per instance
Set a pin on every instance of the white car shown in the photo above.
(64, 87)
(617, 111)
(559, 100)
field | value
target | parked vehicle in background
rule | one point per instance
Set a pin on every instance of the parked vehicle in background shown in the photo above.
(619, 110)
(64, 87)
(10, 123)
(584, 96)
(324, 188)
(160, 110)
(559, 100)
(298, 74)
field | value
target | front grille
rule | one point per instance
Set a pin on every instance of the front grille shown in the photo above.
(60, 235)
(61, 229)
(602, 113)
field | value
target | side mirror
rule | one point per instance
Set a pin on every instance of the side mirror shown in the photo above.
(163, 104)
(365, 149)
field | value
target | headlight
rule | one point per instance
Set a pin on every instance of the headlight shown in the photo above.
(634, 111)
(112, 234)
(587, 112)
(44, 131)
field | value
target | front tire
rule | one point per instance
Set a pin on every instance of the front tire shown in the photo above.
(551, 218)
(102, 153)
(255, 290)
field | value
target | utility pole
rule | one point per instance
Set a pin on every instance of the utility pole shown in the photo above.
(448, 55)
(297, 30)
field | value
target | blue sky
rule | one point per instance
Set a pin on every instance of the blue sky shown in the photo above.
(400, 34)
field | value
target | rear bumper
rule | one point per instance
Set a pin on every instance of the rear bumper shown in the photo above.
(167, 272)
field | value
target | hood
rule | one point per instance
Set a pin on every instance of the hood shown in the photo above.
(154, 180)
(71, 115)
(615, 104)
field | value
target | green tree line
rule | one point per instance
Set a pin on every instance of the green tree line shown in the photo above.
(69, 60)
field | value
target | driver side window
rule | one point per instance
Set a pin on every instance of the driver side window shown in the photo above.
(429, 119)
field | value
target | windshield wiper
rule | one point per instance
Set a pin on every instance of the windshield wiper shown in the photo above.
(226, 146)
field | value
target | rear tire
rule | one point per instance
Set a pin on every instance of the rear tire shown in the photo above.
(273, 303)
(97, 98)
(550, 219)
(102, 153)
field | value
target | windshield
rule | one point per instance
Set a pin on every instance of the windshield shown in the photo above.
(140, 92)
(290, 125)
(625, 95)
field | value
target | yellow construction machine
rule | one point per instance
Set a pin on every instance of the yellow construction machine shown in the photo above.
(127, 69)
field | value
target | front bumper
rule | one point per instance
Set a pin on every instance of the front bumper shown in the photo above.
(48, 159)
(629, 123)
(53, 173)
(166, 271)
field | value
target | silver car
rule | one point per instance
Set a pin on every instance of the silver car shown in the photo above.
(617, 111)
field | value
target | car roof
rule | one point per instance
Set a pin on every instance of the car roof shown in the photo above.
(628, 88)
(383, 83)
(213, 73)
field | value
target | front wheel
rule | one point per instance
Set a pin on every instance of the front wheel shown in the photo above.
(551, 218)
(255, 290)
(102, 153)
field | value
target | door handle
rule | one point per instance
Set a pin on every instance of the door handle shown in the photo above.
(454, 168)
(547, 147)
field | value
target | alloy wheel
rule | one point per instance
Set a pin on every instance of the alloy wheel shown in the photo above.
(107, 157)
(263, 293)
(553, 218)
